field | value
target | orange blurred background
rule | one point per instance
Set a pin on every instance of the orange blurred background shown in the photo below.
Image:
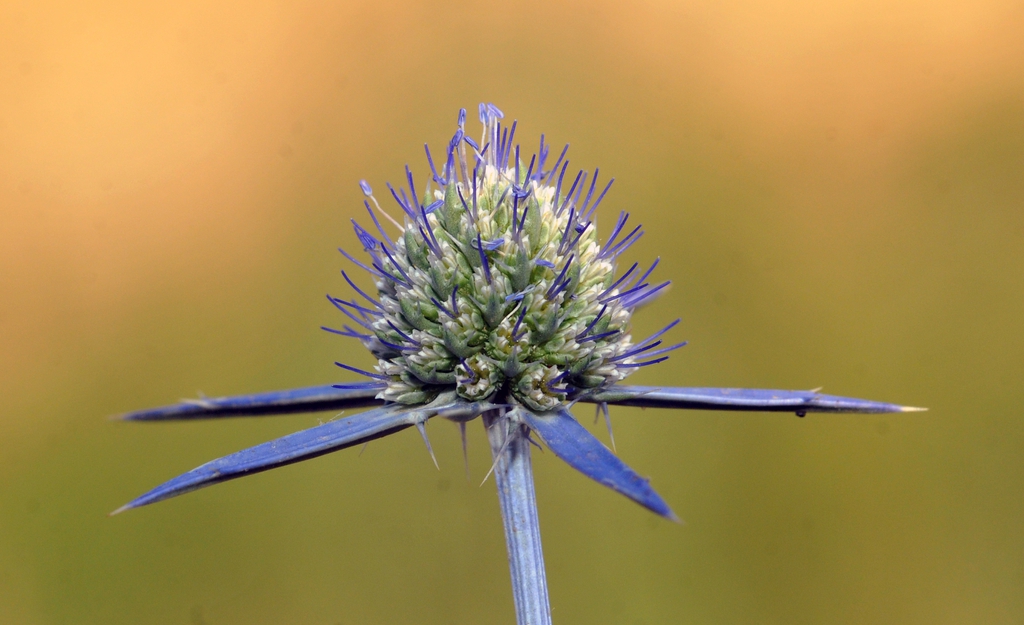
(836, 191)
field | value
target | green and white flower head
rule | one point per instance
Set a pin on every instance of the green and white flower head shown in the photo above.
(496, 282)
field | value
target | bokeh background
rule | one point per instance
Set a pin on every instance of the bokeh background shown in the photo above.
(836, 189)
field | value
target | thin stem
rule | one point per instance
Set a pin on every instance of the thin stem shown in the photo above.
(513, 474)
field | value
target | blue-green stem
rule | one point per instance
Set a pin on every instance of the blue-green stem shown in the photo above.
(513, 473)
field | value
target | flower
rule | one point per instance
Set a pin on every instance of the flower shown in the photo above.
(495, 298)
(497, 283)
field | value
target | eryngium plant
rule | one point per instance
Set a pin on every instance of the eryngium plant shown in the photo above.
(494, 298)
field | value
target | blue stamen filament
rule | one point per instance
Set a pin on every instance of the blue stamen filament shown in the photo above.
(557, 286)
(377, 376)
(483, 258)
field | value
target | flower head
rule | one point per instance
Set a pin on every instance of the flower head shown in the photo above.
(497, 282)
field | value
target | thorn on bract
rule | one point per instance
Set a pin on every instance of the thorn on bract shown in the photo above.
(465, 448)
(421, 426)
(603, 407)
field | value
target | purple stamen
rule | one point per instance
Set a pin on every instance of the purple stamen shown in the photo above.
(617, 282)
(404, 205)
(449, 165)
(465, 206)
(438, 179)
(441, 307)
(466, 366)
(349, 332)
(529, 170)
(558, 187)
(522, 222)
(377, 223)
(480, 156)
(580, 229)
(555, 286)
(412, 204)
(360, 291)
(590, 193)
(565, 234)
(515, 215)
(508, 144)
(579, 191)
(504, 194)
(598, 337)
(664, 350)
(623, 218)
(472, 218)
(414, 199)
(502, 157)
(627, 293)
(634, 352)
(515, 328)
(426, 239)
(551, 385)
(474, 196)
(648, 272)
(362, 310)
(360, 386)
(640, 298)
(364, 318)
(399, 348)
(408, 281)
(644, 364)
(622, 245)
(405, 336)
(349, 328)
(568, 195)
(365, 186)
(361, 372)
(555, 168)
(660, 332)
(542, 152)
(455, 140)
(483, 258)
(592, 323)
(455, 302)
(430, 230)
(600, 197)
(373, 271)
(360, 322)
(369, 242)
(475, 179)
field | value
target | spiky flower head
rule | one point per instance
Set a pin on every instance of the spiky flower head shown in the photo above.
(496, 282)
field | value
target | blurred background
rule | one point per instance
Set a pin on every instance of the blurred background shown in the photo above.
(835, 189)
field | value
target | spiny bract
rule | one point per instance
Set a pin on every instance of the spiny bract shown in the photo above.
(497, 281)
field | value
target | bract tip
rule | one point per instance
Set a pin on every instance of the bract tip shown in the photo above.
(127, 506)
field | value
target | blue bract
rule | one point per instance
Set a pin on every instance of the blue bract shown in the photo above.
(494, 292)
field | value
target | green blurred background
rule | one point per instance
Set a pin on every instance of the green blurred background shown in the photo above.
(836, 190)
